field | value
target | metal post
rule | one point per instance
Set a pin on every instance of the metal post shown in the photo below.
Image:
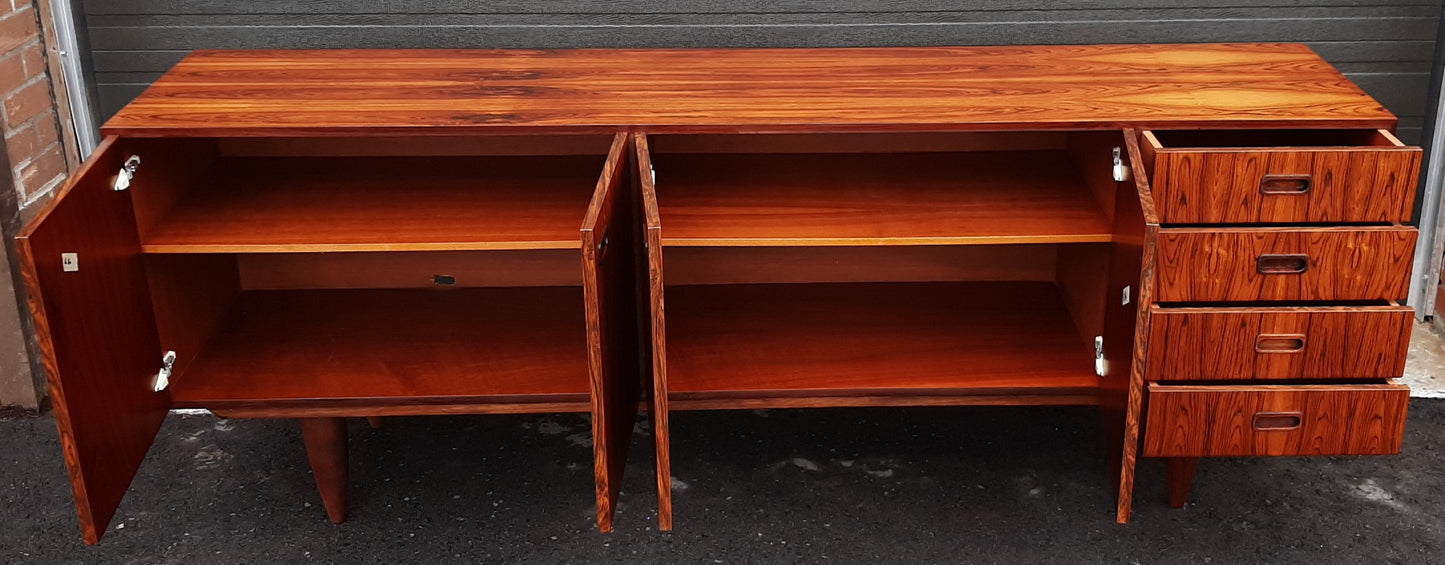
(82, 107)
(1430, 248)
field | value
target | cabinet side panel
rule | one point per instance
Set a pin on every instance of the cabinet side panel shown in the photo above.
(97, 334)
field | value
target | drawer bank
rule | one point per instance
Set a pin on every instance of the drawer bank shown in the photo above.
(1208, 242)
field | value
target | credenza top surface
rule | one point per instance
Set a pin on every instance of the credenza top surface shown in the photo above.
(342, 92)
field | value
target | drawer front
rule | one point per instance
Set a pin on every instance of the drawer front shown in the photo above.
(1244, 264)
(1222, 186)
(1278, 343)
(1202, 421)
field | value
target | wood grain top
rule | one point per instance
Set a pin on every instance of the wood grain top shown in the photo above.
(340, 92)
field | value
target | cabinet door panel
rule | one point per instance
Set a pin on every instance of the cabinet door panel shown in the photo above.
(656, 347)
(611, 281)
(97, 332)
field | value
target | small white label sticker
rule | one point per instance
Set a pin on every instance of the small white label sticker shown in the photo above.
(69, 262)
(1126, 295)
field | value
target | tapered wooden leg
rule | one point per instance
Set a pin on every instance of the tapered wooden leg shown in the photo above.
(326, 447)
(374, 421)
(1180, 472)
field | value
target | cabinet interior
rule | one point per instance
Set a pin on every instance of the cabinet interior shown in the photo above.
(970, 267)
(354, 273)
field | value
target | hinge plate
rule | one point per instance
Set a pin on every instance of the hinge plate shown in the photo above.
(1099, 366)
(127, 173)
(1121, 172)
(163, 377)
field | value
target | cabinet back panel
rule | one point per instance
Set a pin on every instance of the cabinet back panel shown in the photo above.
(550, 267)
(435, 146)
(740, 265)
(926, 142)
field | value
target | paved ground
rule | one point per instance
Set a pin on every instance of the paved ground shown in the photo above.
(1425, 367)
(957, 485)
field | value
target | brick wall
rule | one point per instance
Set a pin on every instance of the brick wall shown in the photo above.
(35, 156)
(31, 124)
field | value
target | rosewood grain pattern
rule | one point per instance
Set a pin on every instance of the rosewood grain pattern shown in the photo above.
(876, 199)
(656, 321)
(326, 449)
(1126, 324)
(277, 204)
(609, 267)
(1222, 264)
(347, 92)
(825, 340)
(1225, 420)
(1248, 343)
(1285, 184)
(96, 332)
(369, 349)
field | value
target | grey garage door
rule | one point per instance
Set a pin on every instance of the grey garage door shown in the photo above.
(1384, 45)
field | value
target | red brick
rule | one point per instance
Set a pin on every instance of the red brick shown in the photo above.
(22, 145)
(43, 169)
(34, 57)
(12, 72)
(26, 143)
(16, 29)
(27, 103)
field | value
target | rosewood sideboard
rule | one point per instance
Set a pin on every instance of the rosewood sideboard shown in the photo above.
(1208, 242)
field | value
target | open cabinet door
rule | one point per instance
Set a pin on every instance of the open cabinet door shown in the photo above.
(655, 343)
(1126, 319)
(610, 259)
(83, 269)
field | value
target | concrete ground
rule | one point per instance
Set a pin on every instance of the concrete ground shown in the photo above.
(920, 485)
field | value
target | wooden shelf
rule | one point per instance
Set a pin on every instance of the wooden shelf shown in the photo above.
(281, 204)
(360, 349)
(875, 199)
(874, 344)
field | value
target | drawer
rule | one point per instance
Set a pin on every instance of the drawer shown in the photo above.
(1281, 176)
(1250, 264)
(1235, 420)
(1355, 342)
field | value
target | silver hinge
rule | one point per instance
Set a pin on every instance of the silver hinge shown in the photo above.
(127, 172)
(653, 171)
(1099, 367)
(163, 377)
(1121, 172)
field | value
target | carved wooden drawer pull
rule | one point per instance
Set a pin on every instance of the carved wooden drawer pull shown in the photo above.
(1277, 421)
(1282, 264)
(1279, 343)
(1285, 184)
